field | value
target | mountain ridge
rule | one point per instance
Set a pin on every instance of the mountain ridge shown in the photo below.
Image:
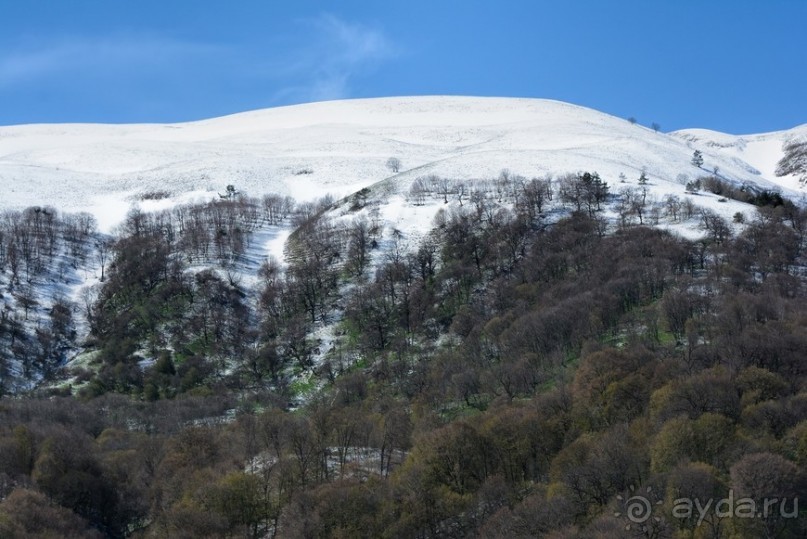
(342, 146)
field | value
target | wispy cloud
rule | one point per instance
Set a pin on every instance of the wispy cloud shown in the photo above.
(159, 76)
(99, 55)
(339, 51)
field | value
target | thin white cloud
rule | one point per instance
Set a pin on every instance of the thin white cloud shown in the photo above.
(338, 52)
(82, 55)
(356, 44)
(317, 59)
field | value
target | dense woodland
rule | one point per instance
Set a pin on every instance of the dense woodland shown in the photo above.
(520, 371)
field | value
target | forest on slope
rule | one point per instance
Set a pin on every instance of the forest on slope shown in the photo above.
(521, 370)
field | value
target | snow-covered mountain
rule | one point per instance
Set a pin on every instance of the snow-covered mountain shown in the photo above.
(342, 146)
(762, 151)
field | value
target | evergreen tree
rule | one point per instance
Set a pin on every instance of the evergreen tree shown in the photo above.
(643, 178)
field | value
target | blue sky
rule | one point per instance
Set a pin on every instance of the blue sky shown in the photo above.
(733, 65)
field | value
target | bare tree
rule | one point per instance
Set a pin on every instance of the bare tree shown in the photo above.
(444, 188)
(417, 192)
(461, 190)
(102, 249)
(585, 190)
(673, 206)
(358, 245)
(716, 227)
(632, 202)
(26, 298)
(394, 164)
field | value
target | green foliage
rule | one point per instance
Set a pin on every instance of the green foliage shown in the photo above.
(795, 444)
(507, 377)
(702, 440)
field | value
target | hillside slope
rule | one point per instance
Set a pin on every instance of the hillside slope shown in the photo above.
(342, 146)
(762, 151)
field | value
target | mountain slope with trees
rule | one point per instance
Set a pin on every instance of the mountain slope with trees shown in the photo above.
(343, 146)
(521, 353)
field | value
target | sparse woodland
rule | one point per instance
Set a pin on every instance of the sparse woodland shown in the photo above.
(518, 371)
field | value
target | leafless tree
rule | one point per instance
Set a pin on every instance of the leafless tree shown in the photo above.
(418, 192)
(394, 164)
(102, 249)
(444, 188)
(358, 245)
(672, 205)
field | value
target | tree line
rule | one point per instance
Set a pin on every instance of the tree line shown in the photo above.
(508, 373)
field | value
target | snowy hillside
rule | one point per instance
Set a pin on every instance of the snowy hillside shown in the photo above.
(762, 151)
(342, 146)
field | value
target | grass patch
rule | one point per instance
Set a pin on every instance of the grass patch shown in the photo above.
(303, 385)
